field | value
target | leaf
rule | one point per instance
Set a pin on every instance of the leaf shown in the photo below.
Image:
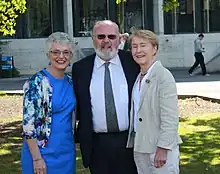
(169, 5)
(120, 1)
(9, 12)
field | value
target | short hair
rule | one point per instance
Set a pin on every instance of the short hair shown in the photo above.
(125, 34)
(61, 38)
(107, 22)
(201, 35)
(146, 35)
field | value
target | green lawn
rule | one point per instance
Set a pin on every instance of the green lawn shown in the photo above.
(200, 152)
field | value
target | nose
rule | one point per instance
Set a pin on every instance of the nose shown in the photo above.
(61, 54)
(138, 49)
(106, 39)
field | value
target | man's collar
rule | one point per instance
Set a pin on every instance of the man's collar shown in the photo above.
(99, 62)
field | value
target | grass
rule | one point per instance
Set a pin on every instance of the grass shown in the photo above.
(2, 93)
(200, 152)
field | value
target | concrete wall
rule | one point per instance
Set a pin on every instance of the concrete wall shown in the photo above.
(175, 51)
(178, 50)
(30, 56)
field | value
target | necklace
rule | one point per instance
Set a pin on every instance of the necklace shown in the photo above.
(143, 73)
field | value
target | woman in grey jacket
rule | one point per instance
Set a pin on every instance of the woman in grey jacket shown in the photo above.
(154, 112)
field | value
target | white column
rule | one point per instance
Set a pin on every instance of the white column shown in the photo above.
(68, 17)
(158, 16)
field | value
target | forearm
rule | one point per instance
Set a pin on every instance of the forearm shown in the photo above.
(34, 149)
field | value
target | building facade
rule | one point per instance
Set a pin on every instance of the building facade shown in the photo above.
(176, 30)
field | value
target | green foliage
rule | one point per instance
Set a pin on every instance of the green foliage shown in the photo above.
(120, 1)
(9, 12)
(169, 5)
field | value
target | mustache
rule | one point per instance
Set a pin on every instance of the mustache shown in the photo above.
(103, 45)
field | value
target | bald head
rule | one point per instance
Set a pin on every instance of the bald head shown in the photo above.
(103, 24)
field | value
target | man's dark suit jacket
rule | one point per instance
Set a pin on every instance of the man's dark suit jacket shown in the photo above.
(81, 74)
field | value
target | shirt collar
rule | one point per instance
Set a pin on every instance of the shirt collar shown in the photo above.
(99, 62)
(149, 70)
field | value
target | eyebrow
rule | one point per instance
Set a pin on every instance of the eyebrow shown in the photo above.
(61, 50)
(139, 43)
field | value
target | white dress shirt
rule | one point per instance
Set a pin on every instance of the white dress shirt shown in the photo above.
(120, 93)
(137, 92)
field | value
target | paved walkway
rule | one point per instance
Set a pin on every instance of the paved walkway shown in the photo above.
(197, 85)
(186, 85)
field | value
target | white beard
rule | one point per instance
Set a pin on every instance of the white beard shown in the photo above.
(107, 55)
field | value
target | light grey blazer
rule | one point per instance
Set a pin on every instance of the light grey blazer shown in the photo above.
(158, 115)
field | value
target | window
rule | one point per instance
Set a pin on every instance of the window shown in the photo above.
(214, 13)
(181, 19)
(86, 13)
(41, 19)
(129, 14)
(193, 16)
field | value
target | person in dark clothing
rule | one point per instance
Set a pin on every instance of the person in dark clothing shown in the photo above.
(103, 84)
(199, 56)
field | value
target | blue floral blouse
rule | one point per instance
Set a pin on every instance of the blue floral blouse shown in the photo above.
(37, 108)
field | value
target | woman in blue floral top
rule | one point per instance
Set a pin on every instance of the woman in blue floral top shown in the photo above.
(48, 113)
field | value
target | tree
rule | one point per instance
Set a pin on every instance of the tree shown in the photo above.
(119, 1)
(9, 12)
(169, 5)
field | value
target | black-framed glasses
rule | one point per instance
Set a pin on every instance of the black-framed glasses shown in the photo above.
(57, 53)
(103, 36)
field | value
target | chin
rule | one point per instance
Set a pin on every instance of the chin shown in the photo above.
(106, 55)
(61, 67)
(140, 62)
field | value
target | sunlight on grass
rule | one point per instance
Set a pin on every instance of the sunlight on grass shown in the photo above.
(5, 119)
(200, 151)
(78, 158)
(2, 93)
(15, 138)
(4, 151)
(215, 161)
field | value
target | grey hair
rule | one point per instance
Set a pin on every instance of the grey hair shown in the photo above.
(108, 22)
(125, 34)
(61, 38)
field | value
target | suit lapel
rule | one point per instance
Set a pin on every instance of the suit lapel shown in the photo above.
(147, 84)
(87, 75)
(126, 69)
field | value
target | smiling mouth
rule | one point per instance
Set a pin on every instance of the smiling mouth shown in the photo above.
(139, 56)
(60, 61)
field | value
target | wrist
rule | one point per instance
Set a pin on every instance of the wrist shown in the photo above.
(162, 148)
(37, 159)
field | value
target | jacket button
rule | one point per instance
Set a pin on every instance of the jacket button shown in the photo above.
(140, 119)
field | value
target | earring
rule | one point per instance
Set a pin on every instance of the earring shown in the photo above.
(49, 63)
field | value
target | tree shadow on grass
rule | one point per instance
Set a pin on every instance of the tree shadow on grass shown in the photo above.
(200, 152)
(10, 147)
(10, 150)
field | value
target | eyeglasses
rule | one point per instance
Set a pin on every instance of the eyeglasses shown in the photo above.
(57, 53)
(103, 36)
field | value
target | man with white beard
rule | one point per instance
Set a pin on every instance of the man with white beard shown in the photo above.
(103, 84)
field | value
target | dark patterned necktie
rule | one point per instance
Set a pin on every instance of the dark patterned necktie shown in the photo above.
(111, 116)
